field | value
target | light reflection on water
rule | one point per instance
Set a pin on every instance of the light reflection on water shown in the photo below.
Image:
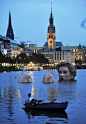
(13, 95)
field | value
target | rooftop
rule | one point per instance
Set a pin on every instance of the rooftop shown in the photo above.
(57, 44)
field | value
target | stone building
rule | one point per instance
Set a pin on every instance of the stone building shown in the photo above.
(58, 55)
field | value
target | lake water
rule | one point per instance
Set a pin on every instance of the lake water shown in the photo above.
(14, 94)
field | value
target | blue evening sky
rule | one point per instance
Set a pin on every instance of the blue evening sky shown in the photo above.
(30, 20)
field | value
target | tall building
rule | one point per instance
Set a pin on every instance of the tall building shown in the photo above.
(10, 33)
(51, 35)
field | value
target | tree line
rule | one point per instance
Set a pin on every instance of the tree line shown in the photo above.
(23, 58)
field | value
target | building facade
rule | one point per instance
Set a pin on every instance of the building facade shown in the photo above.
(79, 55)
(5, 47)
(58, 55)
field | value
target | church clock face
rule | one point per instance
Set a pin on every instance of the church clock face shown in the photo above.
(50, 42)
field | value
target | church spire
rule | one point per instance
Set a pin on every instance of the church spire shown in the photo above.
(51, 35)
(51, 16)
(51, 8)
(10, 33)
(9, 19)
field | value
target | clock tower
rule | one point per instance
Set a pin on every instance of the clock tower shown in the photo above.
(51, 35)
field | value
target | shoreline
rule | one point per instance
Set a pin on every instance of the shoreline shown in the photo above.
(8, 69)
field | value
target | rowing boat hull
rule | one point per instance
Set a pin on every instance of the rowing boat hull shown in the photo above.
(47, 106)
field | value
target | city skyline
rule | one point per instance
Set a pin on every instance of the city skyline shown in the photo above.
(30, 20)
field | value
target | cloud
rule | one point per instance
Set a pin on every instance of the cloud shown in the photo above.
(83, 23)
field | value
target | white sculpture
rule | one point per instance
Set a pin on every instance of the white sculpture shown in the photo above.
(48, 78)
(25, 78)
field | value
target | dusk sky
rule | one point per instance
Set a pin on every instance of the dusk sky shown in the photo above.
(30, 20)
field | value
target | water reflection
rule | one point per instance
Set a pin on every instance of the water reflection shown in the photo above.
(65, 88)
(49, 114)
(7, 101)
(52, 93)
(10, 101)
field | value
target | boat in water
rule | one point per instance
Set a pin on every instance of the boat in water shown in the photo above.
(60, 106)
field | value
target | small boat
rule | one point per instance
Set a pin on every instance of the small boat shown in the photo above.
(60, 106)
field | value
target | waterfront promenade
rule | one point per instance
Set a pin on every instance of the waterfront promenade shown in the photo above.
(38, 68)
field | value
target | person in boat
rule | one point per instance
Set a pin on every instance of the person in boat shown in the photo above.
(31, 100)
(48, 78)
(66, 71)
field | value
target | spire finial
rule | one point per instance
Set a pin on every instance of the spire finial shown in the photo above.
(51, 7)
(9, 18)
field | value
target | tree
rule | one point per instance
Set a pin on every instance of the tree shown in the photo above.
(2, 58)
(38, 58)
(22, 58)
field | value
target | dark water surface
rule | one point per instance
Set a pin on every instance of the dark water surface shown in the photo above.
(14, 94)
